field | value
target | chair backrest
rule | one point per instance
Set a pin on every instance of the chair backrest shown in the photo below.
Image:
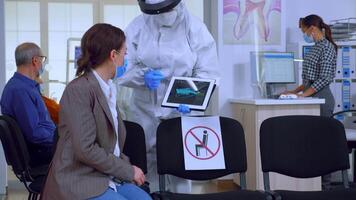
(135, 145)
(170, 156)
(303, 146)
(347, 118)
(14, 145)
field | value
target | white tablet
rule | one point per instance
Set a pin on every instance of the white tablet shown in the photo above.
(193, 92)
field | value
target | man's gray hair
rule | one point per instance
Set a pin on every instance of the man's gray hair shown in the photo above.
(25, 52)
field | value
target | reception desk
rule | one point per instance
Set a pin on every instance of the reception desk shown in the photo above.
(251, 113)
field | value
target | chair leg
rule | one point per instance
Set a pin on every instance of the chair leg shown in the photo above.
(162, 183)
(354, 167)
(29, 196)
(32, 196)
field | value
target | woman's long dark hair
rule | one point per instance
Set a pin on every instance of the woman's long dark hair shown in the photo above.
(96, 45)
(315, 20)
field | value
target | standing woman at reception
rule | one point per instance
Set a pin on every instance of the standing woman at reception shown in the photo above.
(319, 64)
(319, 68)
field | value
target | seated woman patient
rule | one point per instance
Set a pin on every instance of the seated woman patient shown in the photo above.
(88, 162)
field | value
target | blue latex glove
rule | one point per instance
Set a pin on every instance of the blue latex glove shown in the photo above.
(184, 109)
(153, 79)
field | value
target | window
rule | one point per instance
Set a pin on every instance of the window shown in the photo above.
(65, 21)
(22, 24)
(120, 15)
(57, 26)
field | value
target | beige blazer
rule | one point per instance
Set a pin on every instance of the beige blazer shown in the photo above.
(84, 159)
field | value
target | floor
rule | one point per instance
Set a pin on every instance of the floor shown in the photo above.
(17, 191)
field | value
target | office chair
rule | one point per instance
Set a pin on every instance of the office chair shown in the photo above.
(350, 130)
(170, 160)
(17, 156)
(305, 147)
(135, 148)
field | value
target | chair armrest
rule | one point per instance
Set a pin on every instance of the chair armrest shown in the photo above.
(342, 112)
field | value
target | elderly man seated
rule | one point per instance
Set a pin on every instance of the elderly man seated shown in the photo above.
(21, 99)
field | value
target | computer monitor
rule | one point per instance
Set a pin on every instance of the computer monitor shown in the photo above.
(272, 67)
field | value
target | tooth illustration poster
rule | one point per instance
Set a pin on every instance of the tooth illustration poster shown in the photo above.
(252, 22)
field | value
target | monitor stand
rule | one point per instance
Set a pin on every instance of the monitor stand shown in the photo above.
(269, 91)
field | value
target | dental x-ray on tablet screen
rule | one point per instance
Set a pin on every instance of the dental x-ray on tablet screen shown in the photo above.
(193, 92)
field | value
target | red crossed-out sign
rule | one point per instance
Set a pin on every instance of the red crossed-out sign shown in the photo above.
(207, 142)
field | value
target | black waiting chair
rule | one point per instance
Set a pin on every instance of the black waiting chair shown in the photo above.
(170, 161)
(348, 118)
(17, 156)
(305, 147)
(135, 148)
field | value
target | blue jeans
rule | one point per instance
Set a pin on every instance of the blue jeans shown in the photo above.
(125, 191)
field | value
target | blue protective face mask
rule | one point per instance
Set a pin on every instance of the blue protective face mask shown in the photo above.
(40, 72)
(308, 38)
(40, 88)
(120, 70)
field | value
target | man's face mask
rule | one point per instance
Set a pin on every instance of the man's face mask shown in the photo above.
(43, 63)
(40, 72)
(167, 19)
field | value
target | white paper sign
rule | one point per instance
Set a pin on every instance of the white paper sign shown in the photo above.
(202, 141)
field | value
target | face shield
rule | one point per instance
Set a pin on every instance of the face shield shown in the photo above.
(155, 7)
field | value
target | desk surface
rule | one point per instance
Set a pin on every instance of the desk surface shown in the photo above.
(299, 101)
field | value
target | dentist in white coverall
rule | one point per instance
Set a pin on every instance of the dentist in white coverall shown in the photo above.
(165, 41)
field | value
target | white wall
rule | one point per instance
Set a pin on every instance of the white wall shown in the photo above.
(327, 9)
(234, 59)
(3, 166)
(235, 67)
(2, 46)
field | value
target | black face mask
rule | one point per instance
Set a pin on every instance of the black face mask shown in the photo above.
(158, 8)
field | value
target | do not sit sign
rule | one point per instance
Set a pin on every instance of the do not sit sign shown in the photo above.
(203, 149)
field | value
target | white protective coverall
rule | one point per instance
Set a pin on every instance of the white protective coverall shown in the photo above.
(184, 48)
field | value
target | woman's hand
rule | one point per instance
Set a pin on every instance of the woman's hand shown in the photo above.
(309, 92)
(301, 95)
(295, 91)
(139, 176)
(288, 92)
